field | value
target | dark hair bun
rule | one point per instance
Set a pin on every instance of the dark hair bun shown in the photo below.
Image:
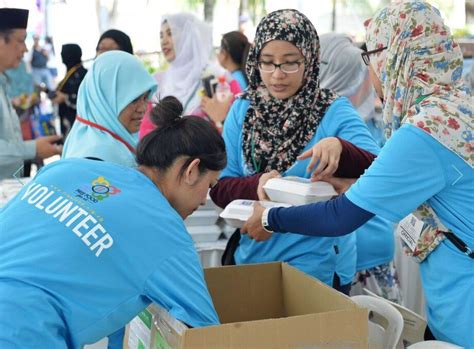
(166, 112)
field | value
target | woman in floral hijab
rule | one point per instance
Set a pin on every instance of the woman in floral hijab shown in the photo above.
(283, 113)
(416, 68)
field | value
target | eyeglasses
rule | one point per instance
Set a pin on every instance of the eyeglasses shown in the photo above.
(365, 55)
(288, 67)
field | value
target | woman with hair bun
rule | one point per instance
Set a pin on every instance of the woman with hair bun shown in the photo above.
(103, 241)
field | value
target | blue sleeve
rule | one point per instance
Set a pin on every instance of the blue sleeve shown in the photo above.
(406, 173)
(330, 218)
(342, 120)
(232, 134)
(178, 285)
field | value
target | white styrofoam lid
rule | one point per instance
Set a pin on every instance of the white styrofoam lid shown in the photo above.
(243, 209)
(300, 186)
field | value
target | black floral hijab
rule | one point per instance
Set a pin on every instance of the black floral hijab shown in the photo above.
(276, 131)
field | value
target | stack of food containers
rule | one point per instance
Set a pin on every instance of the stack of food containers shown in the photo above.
(203, 228)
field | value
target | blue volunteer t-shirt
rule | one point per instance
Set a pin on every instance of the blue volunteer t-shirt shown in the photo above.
(86, 246)
(314, 255)
(412, 168)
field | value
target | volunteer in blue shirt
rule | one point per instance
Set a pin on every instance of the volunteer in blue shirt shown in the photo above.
(88, 244)
(416, 67)
(282, 113)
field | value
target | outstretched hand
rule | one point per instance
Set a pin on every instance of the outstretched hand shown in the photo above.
(328, 153)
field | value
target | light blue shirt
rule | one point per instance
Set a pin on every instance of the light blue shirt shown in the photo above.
(85, 247)
(115, 79)
(413, 168)
(13, 150)
(314, 255)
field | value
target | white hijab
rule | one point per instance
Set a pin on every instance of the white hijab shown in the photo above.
(192, 40)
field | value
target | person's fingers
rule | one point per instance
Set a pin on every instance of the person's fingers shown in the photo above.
(323, 161)
(315, 157)
(305, 155)
(262, 195)
(332, 166)
(274, 174)
(53, 138)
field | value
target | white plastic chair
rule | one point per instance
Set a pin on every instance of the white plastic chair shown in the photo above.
(433, 345)
(413, 324)
(385, 322)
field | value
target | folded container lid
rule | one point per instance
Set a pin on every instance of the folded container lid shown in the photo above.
(300, 186)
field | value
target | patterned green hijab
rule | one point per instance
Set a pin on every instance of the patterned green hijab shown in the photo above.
(421, 73)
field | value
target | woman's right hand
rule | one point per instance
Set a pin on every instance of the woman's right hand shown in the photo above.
(328, 152)
(262, 196)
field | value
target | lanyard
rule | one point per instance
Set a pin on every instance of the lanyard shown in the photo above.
(102, 128)
(256, 165)
(460, 245)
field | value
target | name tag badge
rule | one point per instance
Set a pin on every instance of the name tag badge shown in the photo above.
(409, 229)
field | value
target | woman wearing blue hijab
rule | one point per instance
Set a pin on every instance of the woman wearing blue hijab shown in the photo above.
(110, 105)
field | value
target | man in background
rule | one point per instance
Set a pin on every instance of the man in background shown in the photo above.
(13, 150)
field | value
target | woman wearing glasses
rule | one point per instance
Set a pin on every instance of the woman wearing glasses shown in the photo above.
(110, 106)
(426, 166)
(282, 114)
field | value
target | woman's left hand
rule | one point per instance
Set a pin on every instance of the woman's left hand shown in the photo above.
(215, 109)
(253, 227)
(328, 152)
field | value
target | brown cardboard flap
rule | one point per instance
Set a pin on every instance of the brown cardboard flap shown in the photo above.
(246, 292)
(339, 329)
(303, 294)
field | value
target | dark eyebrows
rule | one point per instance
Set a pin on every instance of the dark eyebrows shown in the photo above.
(291, 54)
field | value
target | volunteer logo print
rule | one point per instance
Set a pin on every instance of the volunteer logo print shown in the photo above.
(102, 188)
(98, 190)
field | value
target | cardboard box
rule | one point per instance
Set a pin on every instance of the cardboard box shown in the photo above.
(269, 305)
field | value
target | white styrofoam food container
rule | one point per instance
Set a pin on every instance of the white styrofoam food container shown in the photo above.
(238, 211)
(201, 217)
(298, 191)
(204, 233)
